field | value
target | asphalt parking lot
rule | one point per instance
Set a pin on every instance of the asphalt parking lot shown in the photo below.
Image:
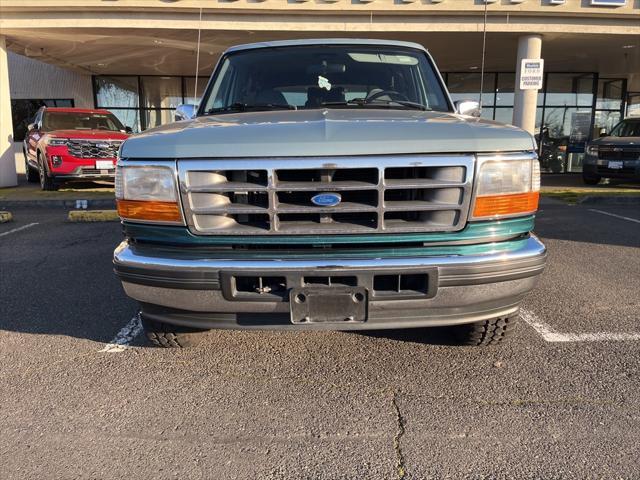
(83, 396)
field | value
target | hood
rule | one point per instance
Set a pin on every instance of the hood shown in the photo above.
(617, 141)
(89, 134)
(325, 132)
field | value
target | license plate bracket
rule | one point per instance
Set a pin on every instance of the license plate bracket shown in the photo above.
(328, 305)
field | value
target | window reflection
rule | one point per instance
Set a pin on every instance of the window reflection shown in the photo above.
(466, 86)
(161, 92)
(116, 92)
(504, 92)
(189, 89)
(146, 101)
(569, 89)
(128, 117)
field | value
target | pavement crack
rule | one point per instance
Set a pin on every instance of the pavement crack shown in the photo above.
(400, 466)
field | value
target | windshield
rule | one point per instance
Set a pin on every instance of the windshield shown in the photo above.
(342, 76)
(80, 121)
(626, 128)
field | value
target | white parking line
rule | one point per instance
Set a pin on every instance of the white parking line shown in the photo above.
(125, 336)
(550, 335)
(621, 217)
(28, 225)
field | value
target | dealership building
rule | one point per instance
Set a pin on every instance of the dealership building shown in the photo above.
(142, 58)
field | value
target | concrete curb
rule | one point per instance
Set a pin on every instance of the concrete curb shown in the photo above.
(5, 217)
(102, 203)
(93, 216)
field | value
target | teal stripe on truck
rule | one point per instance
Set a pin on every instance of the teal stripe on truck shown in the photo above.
(478, 232)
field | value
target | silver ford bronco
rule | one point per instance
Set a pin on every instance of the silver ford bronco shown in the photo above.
(328, 184)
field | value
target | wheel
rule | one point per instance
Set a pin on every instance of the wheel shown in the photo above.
(32, 175)
(171, 336)
(591, 180)
(46, 182)
(487, 332)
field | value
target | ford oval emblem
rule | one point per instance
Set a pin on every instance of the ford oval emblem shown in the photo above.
(326, 199)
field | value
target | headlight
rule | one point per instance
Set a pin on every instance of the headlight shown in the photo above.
(57, 142)
(506, 187)
(592, 150)
(147, 193)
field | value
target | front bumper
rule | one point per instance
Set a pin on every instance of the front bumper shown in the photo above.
(190, 288)
(630, 170)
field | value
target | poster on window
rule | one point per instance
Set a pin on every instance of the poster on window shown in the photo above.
(580, 127)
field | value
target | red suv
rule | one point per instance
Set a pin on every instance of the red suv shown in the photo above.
(72, 144)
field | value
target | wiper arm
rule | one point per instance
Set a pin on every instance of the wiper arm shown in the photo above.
(404, 103)
(361, 102)
(244, 107)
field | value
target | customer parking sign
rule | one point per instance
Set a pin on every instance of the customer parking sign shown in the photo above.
(531, 71)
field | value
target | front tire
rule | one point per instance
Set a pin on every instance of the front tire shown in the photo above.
(591, 179)
(487, 332)
(171, 336)
(46, 182)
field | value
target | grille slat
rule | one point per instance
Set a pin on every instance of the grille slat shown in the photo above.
(326, 186)
(413, 183)
(417, 205)
(618, 153)
(378, 194)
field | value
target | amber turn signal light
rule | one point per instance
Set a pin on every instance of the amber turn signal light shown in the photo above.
(512, 204)
(149, 210)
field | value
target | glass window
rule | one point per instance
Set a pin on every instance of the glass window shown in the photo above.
(487, 112)
(116, 92)
(466, 86)
(161, 92)
(128, 117)
(569, 89)
(568, 122)
(564, 134)
(627, 128)
(155, 118)
(610, 94)
(56, 120)
(326, 76)
(506, 85)
(633, 105)
(504, 115)
(189, 85)
(605, 119)
(24, 110)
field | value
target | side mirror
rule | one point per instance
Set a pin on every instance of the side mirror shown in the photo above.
(468, 107)
(185, 112)
(603, 132)
(128, 130)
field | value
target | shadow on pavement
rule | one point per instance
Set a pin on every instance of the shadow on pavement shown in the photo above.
(426, 336)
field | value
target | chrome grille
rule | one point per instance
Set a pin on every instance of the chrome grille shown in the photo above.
(378, 194)
(606, 152)
(81, 148)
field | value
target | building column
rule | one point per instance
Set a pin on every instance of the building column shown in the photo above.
(8, 177)
(525, 101)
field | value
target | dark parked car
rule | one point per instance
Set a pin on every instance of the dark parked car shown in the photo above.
(616, 155)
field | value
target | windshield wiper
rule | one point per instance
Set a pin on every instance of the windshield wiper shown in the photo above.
(244, 107)
(361, 102)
